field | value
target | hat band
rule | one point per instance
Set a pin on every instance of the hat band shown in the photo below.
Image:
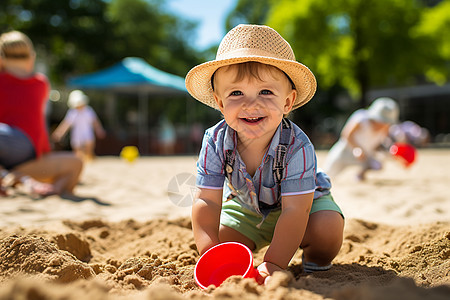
(251, 52)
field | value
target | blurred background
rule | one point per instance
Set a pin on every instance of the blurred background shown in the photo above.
(130, 57)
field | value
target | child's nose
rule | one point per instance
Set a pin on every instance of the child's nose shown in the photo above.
(251, 102)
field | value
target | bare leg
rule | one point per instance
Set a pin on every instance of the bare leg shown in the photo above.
(323, 237)
(89, 148)
(361, 176)
(61, 169)
(3, 173)
(2, 189)
(79, 152)
(227, 234)
(86, 151)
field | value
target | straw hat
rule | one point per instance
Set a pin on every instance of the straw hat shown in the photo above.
(256, 43)
(77, 98)
(384, 110)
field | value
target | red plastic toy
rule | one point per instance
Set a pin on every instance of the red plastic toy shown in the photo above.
(405, 152)
(222, 261)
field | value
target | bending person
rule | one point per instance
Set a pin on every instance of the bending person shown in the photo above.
(364, 132)
(23, 133)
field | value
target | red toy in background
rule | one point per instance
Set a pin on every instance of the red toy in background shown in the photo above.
(222, 261)
(404, 152)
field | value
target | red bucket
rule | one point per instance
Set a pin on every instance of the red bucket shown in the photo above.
(405, 152)
(222, 261)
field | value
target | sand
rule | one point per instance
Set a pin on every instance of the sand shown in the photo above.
(128, 236)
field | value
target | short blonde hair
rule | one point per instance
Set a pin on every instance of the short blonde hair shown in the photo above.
(16, 45)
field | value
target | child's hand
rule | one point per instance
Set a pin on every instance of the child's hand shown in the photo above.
(265, 271)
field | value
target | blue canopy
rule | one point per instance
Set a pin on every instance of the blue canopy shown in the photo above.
(132, 74)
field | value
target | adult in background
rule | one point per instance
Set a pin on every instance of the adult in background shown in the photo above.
(25, 153)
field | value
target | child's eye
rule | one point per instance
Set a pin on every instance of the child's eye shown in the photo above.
(266, 92)
(236, 93)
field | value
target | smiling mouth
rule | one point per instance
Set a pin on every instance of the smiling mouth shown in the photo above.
(252, 120)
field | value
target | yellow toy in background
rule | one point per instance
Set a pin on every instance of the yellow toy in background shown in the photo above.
(129, 153)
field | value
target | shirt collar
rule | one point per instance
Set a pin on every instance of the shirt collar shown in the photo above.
(230, 140)
(275, 142)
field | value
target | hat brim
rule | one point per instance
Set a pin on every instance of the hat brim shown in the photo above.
(198, 79)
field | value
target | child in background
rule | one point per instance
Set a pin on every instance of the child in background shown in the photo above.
(273, 193)
(84, 123)
(363, 134)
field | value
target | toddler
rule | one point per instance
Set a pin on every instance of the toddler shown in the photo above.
(84, 123)
(257, 172)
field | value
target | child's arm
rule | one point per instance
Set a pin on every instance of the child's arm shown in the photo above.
(289, 232)
(98, 128)
(206, 218)
(349, 133)
(61, 130)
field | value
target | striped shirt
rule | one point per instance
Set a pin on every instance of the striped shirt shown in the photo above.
(300, 174)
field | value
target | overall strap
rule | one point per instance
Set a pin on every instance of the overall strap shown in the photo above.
(230, 157)
(279, 163)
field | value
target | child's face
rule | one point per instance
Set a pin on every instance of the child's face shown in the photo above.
(21, 66)
(253, 107)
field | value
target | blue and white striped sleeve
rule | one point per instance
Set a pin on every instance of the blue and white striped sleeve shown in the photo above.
(210, 164)
(300, 172)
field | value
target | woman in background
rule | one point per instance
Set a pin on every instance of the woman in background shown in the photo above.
(25, 153)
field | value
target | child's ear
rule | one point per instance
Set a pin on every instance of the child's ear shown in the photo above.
(290, 100)
(219, 102)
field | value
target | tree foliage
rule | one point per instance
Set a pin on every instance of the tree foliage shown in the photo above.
(248, 12)
(80, 36)
(358, 44)
(353, 44)
(142, 28)
(69, 36)
(435, 24)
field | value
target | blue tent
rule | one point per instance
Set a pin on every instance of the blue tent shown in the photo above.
(129, 74)
(132, 75)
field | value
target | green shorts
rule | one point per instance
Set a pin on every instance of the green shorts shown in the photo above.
(245, 221)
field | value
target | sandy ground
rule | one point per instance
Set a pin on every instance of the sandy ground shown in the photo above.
(128, 236)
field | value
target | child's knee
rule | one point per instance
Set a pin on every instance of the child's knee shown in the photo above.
(325, 230)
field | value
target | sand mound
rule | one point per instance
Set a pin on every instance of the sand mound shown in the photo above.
(31, 254)
(95, 259)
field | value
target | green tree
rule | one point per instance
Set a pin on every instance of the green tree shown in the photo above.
(80, 36)
(435, 24)
(70, 36)
(248, 12)
(358, 44)
(142, 28)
